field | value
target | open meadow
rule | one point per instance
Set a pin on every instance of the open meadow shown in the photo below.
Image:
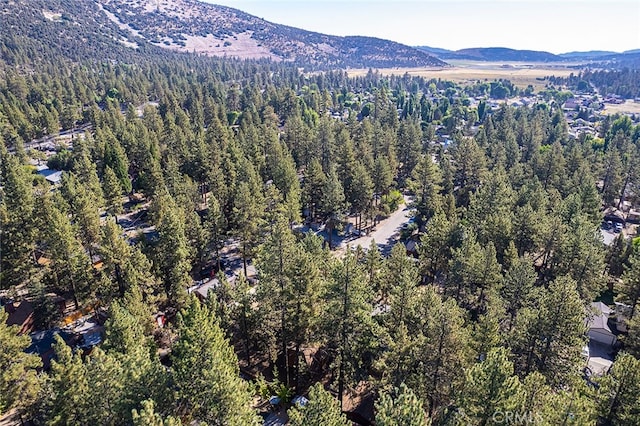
(628, 107)
(521, 74)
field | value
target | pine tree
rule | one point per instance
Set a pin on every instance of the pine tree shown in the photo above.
(285, 178)
(400, 362)
(618, 254)
(126, 266)
(123, 331)
(17, 222)
(425, 183)
(18, 379)
(290, 287)
(373, 264)
(172, 255)
(314, 184)
(196, 234)
(574, 404)
(248, 217)
(84, 213)
(491, 211)
(70, 265)
(106, 377)
(548, 336)
(85, 169)
(147, 416)
(630, 285)
(474, 273)
(382, 176)
(527, 229)
(345, 161)
(333, 202)
(216, 227)
(247, 319)
(618, 392)
(347, 324)
(444, 348)
(401, 407)
(206, 371)
(409, 146)
(69, 386)
(127, 342)
(517, 287)
(632, 338)
(116, 159)
(487, 331)
(435, 250)
(552, 168)
(612, 179)
(400, 278)
(490, 389)
(321, 410)
(579, 254)
(112, 192)
(470, 167)
(275, 263)
(361, 191)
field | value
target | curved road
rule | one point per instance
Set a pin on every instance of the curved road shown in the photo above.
(387, 232)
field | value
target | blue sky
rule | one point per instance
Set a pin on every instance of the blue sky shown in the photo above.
(555, 26)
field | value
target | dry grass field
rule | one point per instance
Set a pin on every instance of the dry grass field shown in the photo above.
(629, 107)
(519, 73)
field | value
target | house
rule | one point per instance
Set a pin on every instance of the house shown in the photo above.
(42, 344)
(88, 332)
(597, 321)
(570, 104)
(54, 177)
(20, 314)
(202, 288)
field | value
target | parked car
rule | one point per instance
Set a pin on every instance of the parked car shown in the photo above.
(618, 227)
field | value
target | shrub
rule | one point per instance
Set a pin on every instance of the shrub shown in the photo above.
(392, 200)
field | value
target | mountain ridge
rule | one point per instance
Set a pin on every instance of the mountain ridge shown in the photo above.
(121, 30)
(493, 54)
(507, 54)
(194, 26)
(489, 54)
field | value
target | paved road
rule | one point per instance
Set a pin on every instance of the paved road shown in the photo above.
(49, 140)
(387, 232)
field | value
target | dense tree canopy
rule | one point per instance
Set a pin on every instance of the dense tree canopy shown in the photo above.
(244, 175)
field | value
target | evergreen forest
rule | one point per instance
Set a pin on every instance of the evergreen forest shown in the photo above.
(174, 166)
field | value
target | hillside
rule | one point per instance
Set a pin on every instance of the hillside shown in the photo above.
(118, 29)
(192, 26)
(37, 31)
(437, 51)
(588, 55)
(492, 54)
(505, 54)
